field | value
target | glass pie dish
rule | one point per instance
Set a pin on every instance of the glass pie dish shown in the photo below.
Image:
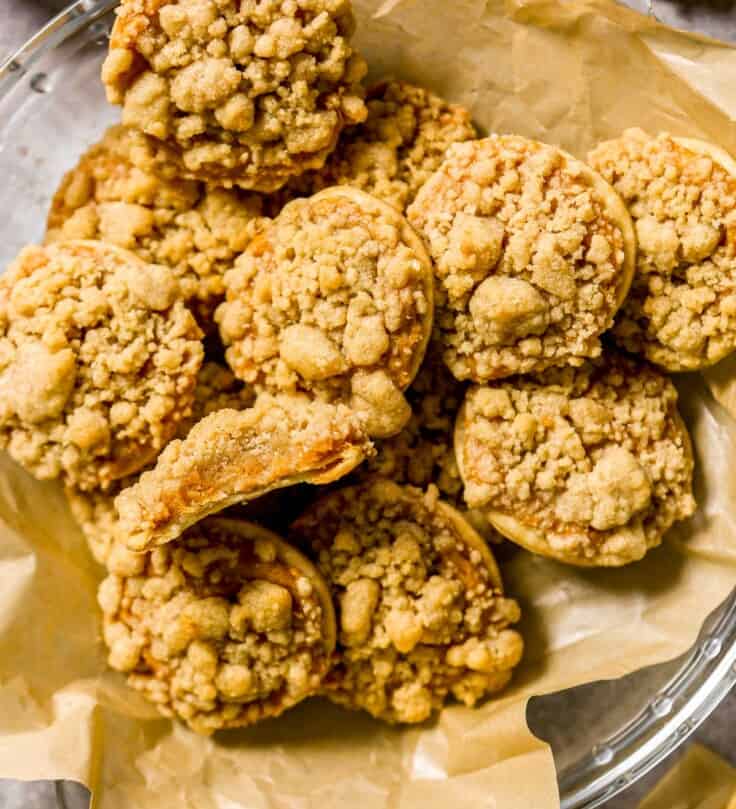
(51, 85)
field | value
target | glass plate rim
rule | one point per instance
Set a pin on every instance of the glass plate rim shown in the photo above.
(708, 671)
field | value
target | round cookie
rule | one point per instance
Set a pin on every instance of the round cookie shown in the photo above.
(227, 627)
(196, 230)
(421, 612)
(533, 253)
(98, 362)
(234, 457)
(236, 93)
(335, 298)
(586, 465)
(94, 511)
(681, 194)
(394, 152)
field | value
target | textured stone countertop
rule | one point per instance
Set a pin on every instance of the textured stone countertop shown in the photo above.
(20, 18)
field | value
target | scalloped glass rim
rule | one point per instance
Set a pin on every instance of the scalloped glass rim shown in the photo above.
(707, 672)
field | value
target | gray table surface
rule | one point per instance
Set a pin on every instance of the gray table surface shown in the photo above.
(20, 18)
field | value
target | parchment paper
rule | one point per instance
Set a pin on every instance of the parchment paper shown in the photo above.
(567, 72)
(700, 780)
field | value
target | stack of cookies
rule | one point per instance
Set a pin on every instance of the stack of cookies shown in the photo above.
(303, 353)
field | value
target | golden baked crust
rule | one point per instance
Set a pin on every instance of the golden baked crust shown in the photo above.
(94, 511)
(533, 252)
(681, 193)
(394, 152)
(421, 612)
(227, 627)
(335, 298)
(589, 466)
(231, 457)
(98, 361)
(236, 93)
(196, 230)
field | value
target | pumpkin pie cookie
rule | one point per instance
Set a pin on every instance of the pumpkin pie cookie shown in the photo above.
(94, 511)
(586, 465)
(335, 298)
(98, 362)
(533, 253)
(233, 457)
(227, 627)
(236, 93)
(421, 611)
(196, 230)
(681, 193)
(394, 152)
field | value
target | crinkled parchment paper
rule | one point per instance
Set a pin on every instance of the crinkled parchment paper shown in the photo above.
(700, 780)
(567, 72)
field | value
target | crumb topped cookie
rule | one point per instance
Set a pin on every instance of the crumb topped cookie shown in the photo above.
(587, 465)
(235, 456)
(421, 612)
(533, 254)
(681, 312)
(195, 230)
(94, 511)
(227, 627)
(335, 298)
(237, 93)
(394, 152)
(98, 362)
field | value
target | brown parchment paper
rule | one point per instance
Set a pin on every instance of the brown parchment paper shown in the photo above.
(567, 72)
(700, 780)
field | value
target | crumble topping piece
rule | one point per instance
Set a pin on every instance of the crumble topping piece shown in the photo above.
(335, 298)
(681, 194)
(236, 92)
(421, 612)
(235, 456)
(196, 230)
(589, 466)
(533, 256)
(227, 627)
(98, 362)
(94, 511)
(394, 152)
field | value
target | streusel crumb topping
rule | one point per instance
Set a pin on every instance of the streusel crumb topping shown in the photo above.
(681, 312)
(596, 460)
(98, 361)
(244, 92)
(195, 230)
(421, 612)
(94, 511)
(530, 256)
(227, 627)
(393, 153)
(335, 298)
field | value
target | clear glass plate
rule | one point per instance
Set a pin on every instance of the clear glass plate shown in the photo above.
(606, 735)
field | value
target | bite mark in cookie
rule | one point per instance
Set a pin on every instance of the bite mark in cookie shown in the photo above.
(335, 298)
(232, 457)
(236, 93)
(533, 253)
(681, 313)
(589, 466)
(98, 362)
(421, 612)
(198, 231)
(227, 627)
